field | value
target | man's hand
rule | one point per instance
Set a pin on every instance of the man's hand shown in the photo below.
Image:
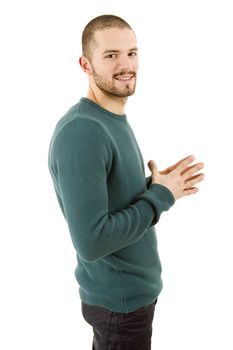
(178, 178)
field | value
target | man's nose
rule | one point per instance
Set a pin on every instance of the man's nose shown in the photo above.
(124, 62)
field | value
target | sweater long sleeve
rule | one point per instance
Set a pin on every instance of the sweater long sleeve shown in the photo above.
(107, 202)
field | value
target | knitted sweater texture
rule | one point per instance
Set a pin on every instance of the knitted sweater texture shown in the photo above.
(110, 207)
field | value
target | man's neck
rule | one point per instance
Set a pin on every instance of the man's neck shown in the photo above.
(113, 104)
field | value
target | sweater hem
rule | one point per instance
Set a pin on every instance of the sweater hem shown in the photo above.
(125, 309)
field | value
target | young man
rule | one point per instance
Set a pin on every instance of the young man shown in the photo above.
(110, 207)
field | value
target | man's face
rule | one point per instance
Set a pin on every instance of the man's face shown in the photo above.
(114, 61)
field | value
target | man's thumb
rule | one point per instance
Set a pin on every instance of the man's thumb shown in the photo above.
(153, 167)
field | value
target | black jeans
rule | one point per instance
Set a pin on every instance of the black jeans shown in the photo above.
(120, 331)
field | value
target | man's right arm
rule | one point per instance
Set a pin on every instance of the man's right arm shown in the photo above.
(79, 159)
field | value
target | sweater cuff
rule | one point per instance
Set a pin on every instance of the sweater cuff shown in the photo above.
(160, 197)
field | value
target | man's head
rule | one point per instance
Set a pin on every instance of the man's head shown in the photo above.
(109, 55)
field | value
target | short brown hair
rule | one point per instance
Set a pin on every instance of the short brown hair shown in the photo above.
(99, 23)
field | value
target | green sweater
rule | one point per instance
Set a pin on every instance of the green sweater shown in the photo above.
(110, 207)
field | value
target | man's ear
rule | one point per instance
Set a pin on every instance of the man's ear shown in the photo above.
(85, 64)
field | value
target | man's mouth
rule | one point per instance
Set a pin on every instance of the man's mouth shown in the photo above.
(124, 77)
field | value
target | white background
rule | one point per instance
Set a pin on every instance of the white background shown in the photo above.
(182, 106)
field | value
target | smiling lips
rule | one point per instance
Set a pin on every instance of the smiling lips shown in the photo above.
(124, 77)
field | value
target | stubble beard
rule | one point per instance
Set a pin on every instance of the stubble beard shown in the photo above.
(111, 89)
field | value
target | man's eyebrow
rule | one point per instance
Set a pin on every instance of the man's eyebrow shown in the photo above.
(117, 51)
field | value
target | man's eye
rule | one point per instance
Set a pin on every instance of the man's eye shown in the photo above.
(133, 53)
(112, 55)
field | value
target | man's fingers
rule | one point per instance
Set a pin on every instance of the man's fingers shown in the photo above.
(189, 171)
(194, 180)
(183, 165)
(191, 190)
(172, 167)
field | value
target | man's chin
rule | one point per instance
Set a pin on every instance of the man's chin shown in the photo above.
(126, 93)
(121, 95)
(116, 92)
